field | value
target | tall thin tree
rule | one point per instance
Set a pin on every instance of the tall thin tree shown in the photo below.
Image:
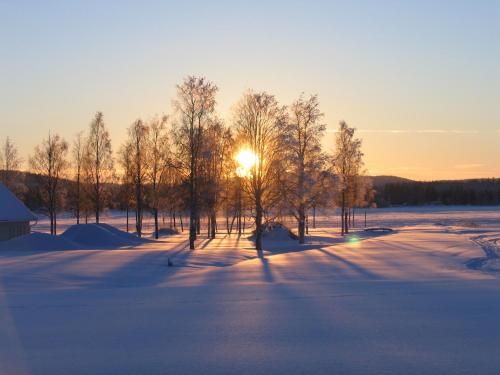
(100, 160)
(125, 161)
(78, 153)
(159, 161)
(138, 138)
(195, 104)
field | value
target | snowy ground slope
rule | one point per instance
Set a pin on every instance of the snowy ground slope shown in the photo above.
(407, 302)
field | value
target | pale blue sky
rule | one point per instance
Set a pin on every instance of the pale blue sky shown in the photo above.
(420, 80)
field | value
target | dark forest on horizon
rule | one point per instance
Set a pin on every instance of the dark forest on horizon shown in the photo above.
(388, 191)
(456, 192)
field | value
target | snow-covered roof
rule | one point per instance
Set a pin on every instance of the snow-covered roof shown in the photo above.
(11, 208)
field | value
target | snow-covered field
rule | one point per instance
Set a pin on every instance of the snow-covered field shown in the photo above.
(423, 299)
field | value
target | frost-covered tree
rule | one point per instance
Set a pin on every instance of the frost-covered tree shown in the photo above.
(260, 124)
(305, 158)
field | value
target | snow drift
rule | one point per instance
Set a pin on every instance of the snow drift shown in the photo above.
(39, 242)
(76, 237)
(125, 235)
(100, 235)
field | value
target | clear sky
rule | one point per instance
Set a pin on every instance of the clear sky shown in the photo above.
(420, 80)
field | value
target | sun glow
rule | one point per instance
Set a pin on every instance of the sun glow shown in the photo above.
(246, 161)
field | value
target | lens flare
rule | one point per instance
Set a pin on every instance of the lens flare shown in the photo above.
(353, 241)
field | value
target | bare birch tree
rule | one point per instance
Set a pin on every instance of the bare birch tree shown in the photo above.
(126, 177)
(195, 104)
(158, 154)
(260, 124)
(216, 151)
(49, 162)
(100, 161)
(138, 138)
(78, 153)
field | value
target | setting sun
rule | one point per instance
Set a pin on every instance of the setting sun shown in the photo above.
(246, 159)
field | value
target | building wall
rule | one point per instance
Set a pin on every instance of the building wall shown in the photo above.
(10, 229)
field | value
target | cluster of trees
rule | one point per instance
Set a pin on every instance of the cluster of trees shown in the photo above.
(267, 163)
(92, 164)
(468, 192)
(145, 162)
(347, 163)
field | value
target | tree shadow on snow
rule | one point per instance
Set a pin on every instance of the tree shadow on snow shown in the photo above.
(317, 241)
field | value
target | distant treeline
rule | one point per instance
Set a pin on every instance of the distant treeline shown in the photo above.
(27, 188)
(464, 192)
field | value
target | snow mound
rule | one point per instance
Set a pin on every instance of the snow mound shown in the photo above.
(39, 242)
(100, 235)
(123, 234)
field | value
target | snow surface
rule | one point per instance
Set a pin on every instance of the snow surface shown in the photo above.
(422, 299)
